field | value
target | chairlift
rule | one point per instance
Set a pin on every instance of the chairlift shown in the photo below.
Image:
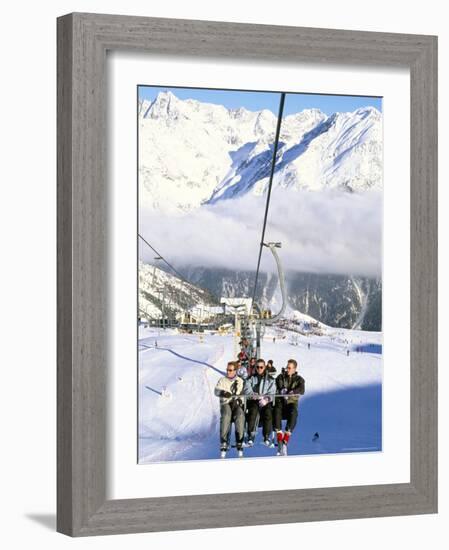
(259, 320)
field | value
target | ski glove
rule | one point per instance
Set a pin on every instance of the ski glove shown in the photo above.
(226, 394)
(264, 401)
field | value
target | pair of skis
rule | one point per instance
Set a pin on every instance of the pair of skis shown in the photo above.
(250, 443)
(223, 453)
(282, 449)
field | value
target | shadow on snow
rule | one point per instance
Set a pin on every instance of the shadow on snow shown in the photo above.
(184, 357)
(347, 420)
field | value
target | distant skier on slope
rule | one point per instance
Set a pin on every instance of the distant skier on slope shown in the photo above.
(261, 389)
(228, 389)
(290, 385)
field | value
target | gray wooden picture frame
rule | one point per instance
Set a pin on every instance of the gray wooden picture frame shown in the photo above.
(83, 40)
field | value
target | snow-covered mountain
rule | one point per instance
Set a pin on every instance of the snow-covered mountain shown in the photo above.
(335, 300)
(163, 293)
(192, 153)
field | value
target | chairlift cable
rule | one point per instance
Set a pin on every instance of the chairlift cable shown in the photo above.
(163, 259)
(170, 265)
(273, 165)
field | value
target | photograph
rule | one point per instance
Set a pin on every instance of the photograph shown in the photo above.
(259, 277)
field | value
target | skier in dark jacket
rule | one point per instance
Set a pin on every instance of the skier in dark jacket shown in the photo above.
(261, 389)
(271, 369)
(290, 385)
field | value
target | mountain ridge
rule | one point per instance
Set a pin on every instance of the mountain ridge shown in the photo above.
(194, 153)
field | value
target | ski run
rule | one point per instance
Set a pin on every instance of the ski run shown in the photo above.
(179, 414)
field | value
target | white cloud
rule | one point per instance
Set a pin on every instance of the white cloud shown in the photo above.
(322, 232)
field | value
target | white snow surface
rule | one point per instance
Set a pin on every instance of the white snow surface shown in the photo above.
(191, 153)
(179, 413)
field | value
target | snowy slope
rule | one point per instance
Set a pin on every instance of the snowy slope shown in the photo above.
(179, 414)
(176, 421)
(192, 153)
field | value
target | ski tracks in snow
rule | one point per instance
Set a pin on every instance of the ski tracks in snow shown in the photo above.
(194, 431)
(190, 359)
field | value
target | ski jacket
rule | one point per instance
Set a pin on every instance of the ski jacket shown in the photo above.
(272, 371)
(294, 384)
(261, 385)
(251, 370)
(246, 350)
(242, 372)
(231, 385)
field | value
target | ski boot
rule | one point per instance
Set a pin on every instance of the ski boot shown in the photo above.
(280, 442)
(285, 441)
(223, 450)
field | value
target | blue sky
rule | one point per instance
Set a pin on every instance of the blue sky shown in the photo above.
(255, 101)
(294, 103)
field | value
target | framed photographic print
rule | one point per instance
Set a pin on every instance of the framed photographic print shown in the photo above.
(246, 274)
(222, 159)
